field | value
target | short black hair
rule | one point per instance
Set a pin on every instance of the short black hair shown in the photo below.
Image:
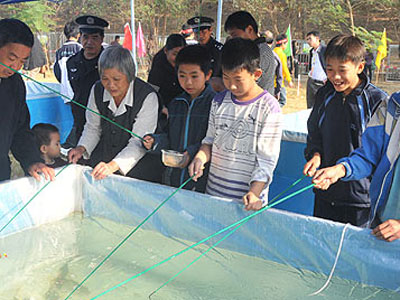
(15, 31)
(314, 33)
(280, 37)
(117, 37)
(240, 20)
(71, 29)
(175, 40)
(42, 133)
(346, 47)
(240, 53)
(196, 55)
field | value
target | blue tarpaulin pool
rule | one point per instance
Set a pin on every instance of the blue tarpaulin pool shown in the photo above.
(305, 245)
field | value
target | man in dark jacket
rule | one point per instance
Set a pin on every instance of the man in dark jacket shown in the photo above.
(82, 71)
(16, 41)
(317, 67)
(203, 29)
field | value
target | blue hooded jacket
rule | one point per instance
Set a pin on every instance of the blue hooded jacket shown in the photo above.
(379, 153)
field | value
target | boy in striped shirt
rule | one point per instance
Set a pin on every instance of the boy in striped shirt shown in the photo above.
(244, 131)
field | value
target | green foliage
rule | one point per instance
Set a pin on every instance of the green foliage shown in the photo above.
(371, 38)
(38, 15)
(328, 15)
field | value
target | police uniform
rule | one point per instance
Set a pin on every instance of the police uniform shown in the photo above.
(213, 46)
(82, 74)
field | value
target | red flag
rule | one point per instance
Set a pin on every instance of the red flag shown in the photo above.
(140, 45)
(128, 37)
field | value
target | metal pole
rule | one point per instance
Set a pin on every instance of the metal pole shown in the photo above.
(219, 20)
(133, 32)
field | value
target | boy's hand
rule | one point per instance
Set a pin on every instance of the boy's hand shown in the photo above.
(291, 85)
(251, 201)
(325, 177)
(388, 230)
(196, 167)
(37, 168)
(76, 154)
(102, 170)
(148, 142)
(312, 165)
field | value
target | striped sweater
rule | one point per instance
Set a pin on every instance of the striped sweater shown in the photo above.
(245, 139)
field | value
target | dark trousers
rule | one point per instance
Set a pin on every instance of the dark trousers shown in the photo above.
(357, 216)
(312, 89)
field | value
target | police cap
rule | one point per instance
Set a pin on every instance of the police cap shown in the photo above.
(200, 23)
(91, 24)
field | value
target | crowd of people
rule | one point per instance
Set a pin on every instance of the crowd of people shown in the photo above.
(217, 105)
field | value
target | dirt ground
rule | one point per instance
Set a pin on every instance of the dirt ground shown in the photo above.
(296, 101)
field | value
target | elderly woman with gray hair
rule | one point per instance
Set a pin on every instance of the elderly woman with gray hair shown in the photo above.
(126, 100)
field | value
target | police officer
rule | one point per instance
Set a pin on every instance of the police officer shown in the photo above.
(203, 29)
(82, 71)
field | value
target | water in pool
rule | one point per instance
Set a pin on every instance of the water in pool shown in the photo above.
(47, 262)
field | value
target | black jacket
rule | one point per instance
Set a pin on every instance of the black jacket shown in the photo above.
(163, 75)
(15, 133)
(215, 50)
(335, 126)
(82, 74)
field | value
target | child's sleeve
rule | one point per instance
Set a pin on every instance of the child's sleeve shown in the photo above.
(362, 162)
(210, 135)
(268, 147)
(161, 142)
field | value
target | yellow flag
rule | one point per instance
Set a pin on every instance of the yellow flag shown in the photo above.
(382, 50)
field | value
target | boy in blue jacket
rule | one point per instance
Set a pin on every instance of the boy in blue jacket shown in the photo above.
(187, 114)
(379, 157)
(342, 109)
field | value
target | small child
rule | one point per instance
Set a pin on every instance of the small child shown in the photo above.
(48, 140)
(342, 109)
(187, 113)
(244, 131)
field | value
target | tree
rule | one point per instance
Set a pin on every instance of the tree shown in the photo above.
(39, 16)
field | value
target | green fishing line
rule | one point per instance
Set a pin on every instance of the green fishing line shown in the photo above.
(128, 236)
(219, 241)
(204, 240)
(75, 102)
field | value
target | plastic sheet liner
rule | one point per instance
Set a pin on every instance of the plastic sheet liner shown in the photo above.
(284, 237)
(291, 162)
(46, 106)
(291, 239)
(59, 199)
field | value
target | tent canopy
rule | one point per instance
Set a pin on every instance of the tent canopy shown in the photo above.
(16, 1)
